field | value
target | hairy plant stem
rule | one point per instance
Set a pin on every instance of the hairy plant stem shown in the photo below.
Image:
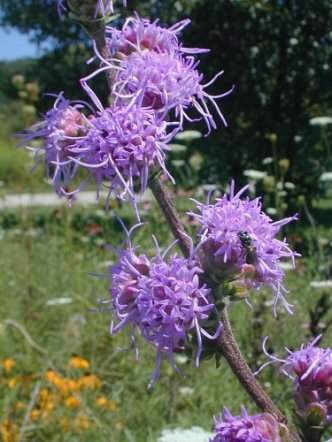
(165, 202)
(96, 31)
(227, 341)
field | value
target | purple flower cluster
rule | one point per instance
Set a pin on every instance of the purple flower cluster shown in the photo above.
(115, 146)
(246, 428)
(237, 238)
(310, 367)
(62, 128)
(138, 34)
(165, 82)
(122, 144)
(153, 69)
(164, 299)
(154, 83)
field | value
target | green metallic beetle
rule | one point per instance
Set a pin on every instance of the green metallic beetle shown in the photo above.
(248, 247)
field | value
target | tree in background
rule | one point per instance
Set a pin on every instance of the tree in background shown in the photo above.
(278, 54)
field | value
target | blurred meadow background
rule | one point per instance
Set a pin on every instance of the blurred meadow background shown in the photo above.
(62, 376)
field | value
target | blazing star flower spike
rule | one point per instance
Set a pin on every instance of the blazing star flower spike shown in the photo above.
(236, 237)
(62, 128)
(246, 428)
(162, 298)
(310, 368)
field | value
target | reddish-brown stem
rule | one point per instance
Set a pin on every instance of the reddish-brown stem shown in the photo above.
(165, 202)
(227, 341)
(240, 368)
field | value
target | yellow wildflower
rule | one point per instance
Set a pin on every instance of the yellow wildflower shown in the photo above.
(13, 382)
(8, 364)
(73, 384)
(35, 414)
(101, 401)
(72, 402)
(44, 395)
(47, 401)
(113, 405)
(50, 375)
(26, 379)
(58, 382)
(64, 422)
(90, 381)
(8, 431)
(47, 412)
(20, 405)
(79, 363)
(82, 422)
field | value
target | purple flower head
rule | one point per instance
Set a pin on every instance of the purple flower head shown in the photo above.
(245, 428)
(138, 34)
(311, 365)
(161, 297)
(310, 368)
(62, 129)
(165, 82)
(124, 276)
(172, 303)
(236, 237)
(122, 144)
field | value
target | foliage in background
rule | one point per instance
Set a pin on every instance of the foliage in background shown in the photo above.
(281, 72)
(46, 255)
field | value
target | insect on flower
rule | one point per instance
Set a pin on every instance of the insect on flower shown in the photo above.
(248, 248)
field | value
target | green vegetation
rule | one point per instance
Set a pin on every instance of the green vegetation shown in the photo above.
(281, 76)
(282, 80)
(48, 254)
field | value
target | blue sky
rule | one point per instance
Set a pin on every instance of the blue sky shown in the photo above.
(15, 45)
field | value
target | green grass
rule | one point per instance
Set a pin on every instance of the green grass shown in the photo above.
(16, 166)
(47, 254)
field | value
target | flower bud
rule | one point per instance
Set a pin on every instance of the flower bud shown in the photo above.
(273, 138)
(284, 164)
(259, 427)
(269, 427)
(142, 267)
(269, 183)
(316, 414)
